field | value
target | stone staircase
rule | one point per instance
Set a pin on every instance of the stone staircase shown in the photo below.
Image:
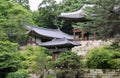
(87, 45)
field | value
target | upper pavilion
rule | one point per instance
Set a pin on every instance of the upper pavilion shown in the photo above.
(79, 16)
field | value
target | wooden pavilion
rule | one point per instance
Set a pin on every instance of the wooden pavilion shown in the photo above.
(79, 16)
(59, 45)
(38, 35)
(53, 39)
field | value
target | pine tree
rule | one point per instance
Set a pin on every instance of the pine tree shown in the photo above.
(105, 17)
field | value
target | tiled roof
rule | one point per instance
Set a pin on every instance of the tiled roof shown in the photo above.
(77, 14)
(53, 33)
(56, 42)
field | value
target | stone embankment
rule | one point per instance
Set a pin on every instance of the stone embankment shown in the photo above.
(102, 73)
(87, 45)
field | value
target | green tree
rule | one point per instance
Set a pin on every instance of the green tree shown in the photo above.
(107, 57)
(103, 58)
(36, 18)
(98, 58)
(18, 74)
(67, 6)
(105, 17)
(24, 3)
(34, 59)
(70, 5)
(9, 58)
(68, 60)
(68, 63)
(14, 19)
(116, 44)
(49, 11)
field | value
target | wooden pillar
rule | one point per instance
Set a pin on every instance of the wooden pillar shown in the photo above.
(74, 34)
(94, 35)
(82, 35)
(55, 56)
(35, 39)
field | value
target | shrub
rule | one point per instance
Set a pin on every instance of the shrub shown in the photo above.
(34, 59)
(115, 63)
(68, 60)
(99, 58)
(9, 57)
(18, 74)
(103, 57)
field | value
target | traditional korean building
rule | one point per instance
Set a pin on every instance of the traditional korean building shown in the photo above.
(59, 45)
(38, 35)
(79, 16)
(53, 39)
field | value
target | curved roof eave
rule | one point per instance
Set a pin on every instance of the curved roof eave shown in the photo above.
(57, 42)
(53, 33)
(76, 14)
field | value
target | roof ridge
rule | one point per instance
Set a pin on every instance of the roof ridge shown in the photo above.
(54, 33)
(45, 28)
(58, 29)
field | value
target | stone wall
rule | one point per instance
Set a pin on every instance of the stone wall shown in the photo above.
(90, 73)
(101, 73)
(84, 73)
(88, 45)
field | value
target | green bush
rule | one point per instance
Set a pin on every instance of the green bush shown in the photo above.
(68, 60)
(9, 57)
(115, 63)
(103, 57)
(34, 59)
(18, 74)
(99, 58)
(116, 43)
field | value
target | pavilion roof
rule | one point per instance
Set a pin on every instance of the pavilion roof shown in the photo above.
(77, 14)
(52, 33)
(57, 42)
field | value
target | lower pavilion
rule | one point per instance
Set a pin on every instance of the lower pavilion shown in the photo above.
(53, 39)
(59, 45)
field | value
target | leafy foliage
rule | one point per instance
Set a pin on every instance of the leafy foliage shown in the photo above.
(14, 19)
(9, 57)
(105, 18)
(103, 58)
(24, 3)
(68, 60)
(116, 44)
(98, 58)
(49, 11)
(34, 59)
(18, 74)
(70, 5)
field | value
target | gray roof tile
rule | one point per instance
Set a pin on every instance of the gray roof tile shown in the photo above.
(53, 33)
(77, 14)
(56, 42)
